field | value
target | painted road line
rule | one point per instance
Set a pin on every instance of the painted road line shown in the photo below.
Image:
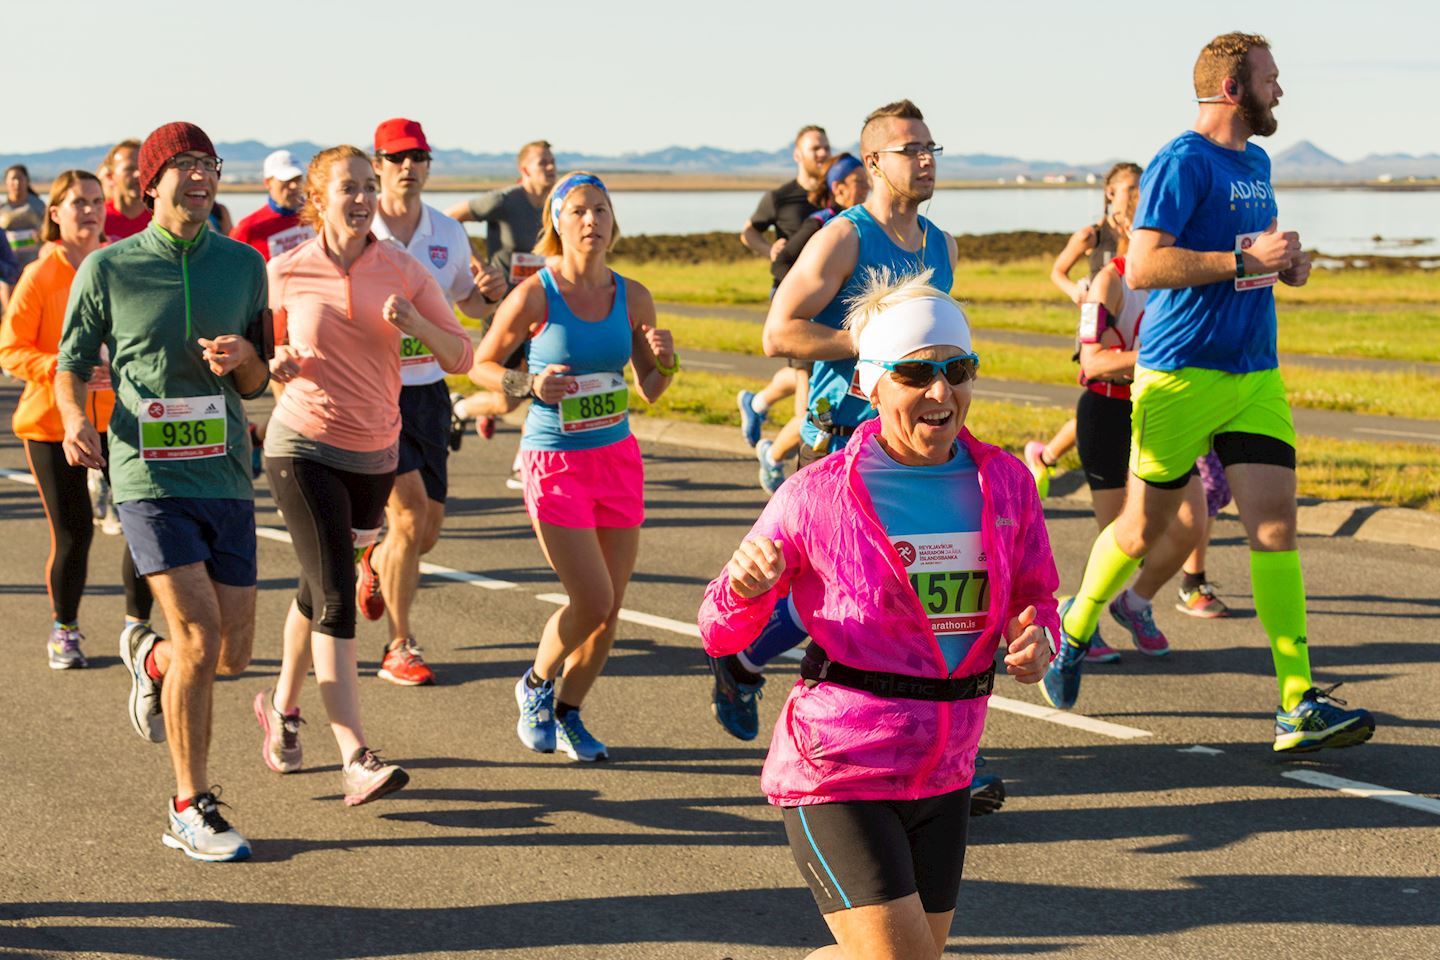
(1203, 750)
(1370, 791)
(635, 616)
(1400, 433)
(429, 569)
(1066, 719)
(19, 476)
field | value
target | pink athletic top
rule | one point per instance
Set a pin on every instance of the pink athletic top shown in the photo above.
(348, 390)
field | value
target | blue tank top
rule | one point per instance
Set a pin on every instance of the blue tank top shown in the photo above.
(830, 384)
(596, 414)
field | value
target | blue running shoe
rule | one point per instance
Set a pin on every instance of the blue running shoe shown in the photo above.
(1061, 684)
(987, 791)
(735, 704)
(1141, 624)
(536, 728)
(575, 741)
(1318, 721)
(771, 474)
(750, 421)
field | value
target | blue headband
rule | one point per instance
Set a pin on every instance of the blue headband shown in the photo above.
(557, 201)
(840, 169)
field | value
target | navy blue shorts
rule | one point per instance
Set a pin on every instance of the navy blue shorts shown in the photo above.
(177, 531)
(425, 436)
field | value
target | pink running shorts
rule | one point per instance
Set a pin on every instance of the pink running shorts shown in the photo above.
(603, 487)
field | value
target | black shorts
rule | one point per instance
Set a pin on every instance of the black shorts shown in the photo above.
(425, 436)
(807, 365)
(858, 853)
(1102, 438)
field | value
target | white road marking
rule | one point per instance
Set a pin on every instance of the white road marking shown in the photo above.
(1207, 751)
(430, 569)
(1066, 719)
(1370, 791)
(635, 616)
(1400, 433)
(19, 476)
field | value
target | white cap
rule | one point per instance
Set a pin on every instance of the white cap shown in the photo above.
(281, 166)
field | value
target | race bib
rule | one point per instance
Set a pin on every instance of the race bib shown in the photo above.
(413, 352)
(288, 239)
(951, 578)
(1252, 281)
(22, 238)
(190, 428)
(595, 400)
(524, 265)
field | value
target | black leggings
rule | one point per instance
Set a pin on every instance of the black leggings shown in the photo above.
(323, 507)
(65, 497)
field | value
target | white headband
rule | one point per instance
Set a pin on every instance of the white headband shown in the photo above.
(907, 327)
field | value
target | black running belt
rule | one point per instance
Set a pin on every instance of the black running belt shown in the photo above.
(817, 667)
(833, 429)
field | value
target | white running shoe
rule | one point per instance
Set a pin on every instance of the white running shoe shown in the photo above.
(136, 642)
(201, 833)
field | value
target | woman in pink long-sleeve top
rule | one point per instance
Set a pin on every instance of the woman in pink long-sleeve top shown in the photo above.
(912, 557)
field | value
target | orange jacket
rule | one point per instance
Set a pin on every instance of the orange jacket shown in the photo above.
(29, 341)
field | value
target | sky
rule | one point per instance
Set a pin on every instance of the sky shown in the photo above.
(1037, 79)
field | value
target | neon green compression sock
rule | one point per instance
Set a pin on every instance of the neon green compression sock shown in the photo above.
(1105, 575)
(1279, 590)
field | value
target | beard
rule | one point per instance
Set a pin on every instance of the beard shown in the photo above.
(1258, 116)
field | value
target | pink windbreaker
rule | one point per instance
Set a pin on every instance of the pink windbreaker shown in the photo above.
(838, 743)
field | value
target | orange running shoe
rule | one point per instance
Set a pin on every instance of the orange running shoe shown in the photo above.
(367, 587)
(403, 665)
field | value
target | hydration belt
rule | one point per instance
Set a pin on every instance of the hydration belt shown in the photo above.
(1109, 388)
(817, 667)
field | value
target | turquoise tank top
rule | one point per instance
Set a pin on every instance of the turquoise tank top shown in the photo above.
(831, 381)
(596, 413)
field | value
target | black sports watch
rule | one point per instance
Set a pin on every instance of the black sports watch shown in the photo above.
(1239, 265)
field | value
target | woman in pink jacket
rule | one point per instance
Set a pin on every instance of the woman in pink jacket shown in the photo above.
(911, 557)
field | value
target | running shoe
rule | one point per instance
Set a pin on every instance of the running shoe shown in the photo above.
(367, 586)
(987, 791)
(1100, 651)
(99, 491)
(202, 833)
(771, 474)
(403, 665)
(575, 741)
(1061, 684)
(1039, 469)
(1318, 721)
(64, 649)
(485, 427)
(735, 704)
(136, 642)
(1141, 624)
(367, 777)
(513, 482)
(536, 728)
(750, 421)
(1202, 602)
(257, 454)
(110, 525)
(457, 422)
(281, 747)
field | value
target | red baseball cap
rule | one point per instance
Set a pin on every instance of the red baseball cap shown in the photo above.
(398, 134)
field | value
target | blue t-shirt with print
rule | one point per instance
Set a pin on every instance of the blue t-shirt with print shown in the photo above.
(1207, 197)
(932, 517)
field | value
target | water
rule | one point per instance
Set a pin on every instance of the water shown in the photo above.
(1342, 222)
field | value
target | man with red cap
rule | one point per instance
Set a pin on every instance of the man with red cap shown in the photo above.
(390, 570)
(183, 311)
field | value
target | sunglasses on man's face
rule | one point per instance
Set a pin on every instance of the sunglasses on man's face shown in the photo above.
(414, 156)
(921, 373)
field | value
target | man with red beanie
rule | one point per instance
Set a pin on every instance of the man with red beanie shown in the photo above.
(182, 309)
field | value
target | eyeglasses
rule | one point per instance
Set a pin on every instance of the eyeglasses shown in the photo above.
(188, 164)
(915, 150)
(921, 373)
(414, 156)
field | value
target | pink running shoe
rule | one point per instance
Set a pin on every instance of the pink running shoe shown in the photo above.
(1141, 624)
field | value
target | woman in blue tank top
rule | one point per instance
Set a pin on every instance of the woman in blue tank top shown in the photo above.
(584, 483)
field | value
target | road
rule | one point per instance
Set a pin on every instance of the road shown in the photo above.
(1167, 829)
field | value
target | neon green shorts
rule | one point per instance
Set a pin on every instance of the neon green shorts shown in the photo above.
(1177, 413)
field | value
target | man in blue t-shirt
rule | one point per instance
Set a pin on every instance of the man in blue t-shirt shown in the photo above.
(1208, 247)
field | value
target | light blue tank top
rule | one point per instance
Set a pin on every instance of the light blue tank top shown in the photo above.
(597, 414)
(832, 378)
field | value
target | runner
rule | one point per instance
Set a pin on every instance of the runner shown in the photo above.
(845, 186)
(785, 210)
(390, 572)
(174, 304)
(512, 224)
(1197, 593)
(1207, 242)
(22, 215)
(584, 482)
(276, 227)
(343, 302)
(910, 589)
(1098, 243)
(9, 271)
(29, 342)
(126, 210)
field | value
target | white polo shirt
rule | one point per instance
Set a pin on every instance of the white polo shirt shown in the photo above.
(440, 243)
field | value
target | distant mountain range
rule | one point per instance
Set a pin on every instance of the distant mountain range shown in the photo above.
(1302, 162)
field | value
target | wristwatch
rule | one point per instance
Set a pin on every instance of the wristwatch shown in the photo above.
(1239, 265)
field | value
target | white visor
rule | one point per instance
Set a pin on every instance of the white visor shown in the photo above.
(907, 327)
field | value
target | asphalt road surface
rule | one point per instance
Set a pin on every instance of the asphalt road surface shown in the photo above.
(1167, 829)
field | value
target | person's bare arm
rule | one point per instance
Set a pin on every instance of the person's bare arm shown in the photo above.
(650, 346)
(755, 241)
(1155, 263)
(1098, 361)
(518, 315)
(1079, 245)
(82, 442)
(825, 263)
(461, 212)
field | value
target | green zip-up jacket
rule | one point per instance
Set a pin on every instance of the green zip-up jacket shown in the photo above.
(149, 298)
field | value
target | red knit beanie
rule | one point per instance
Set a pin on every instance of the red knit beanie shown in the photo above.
(163, 144)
